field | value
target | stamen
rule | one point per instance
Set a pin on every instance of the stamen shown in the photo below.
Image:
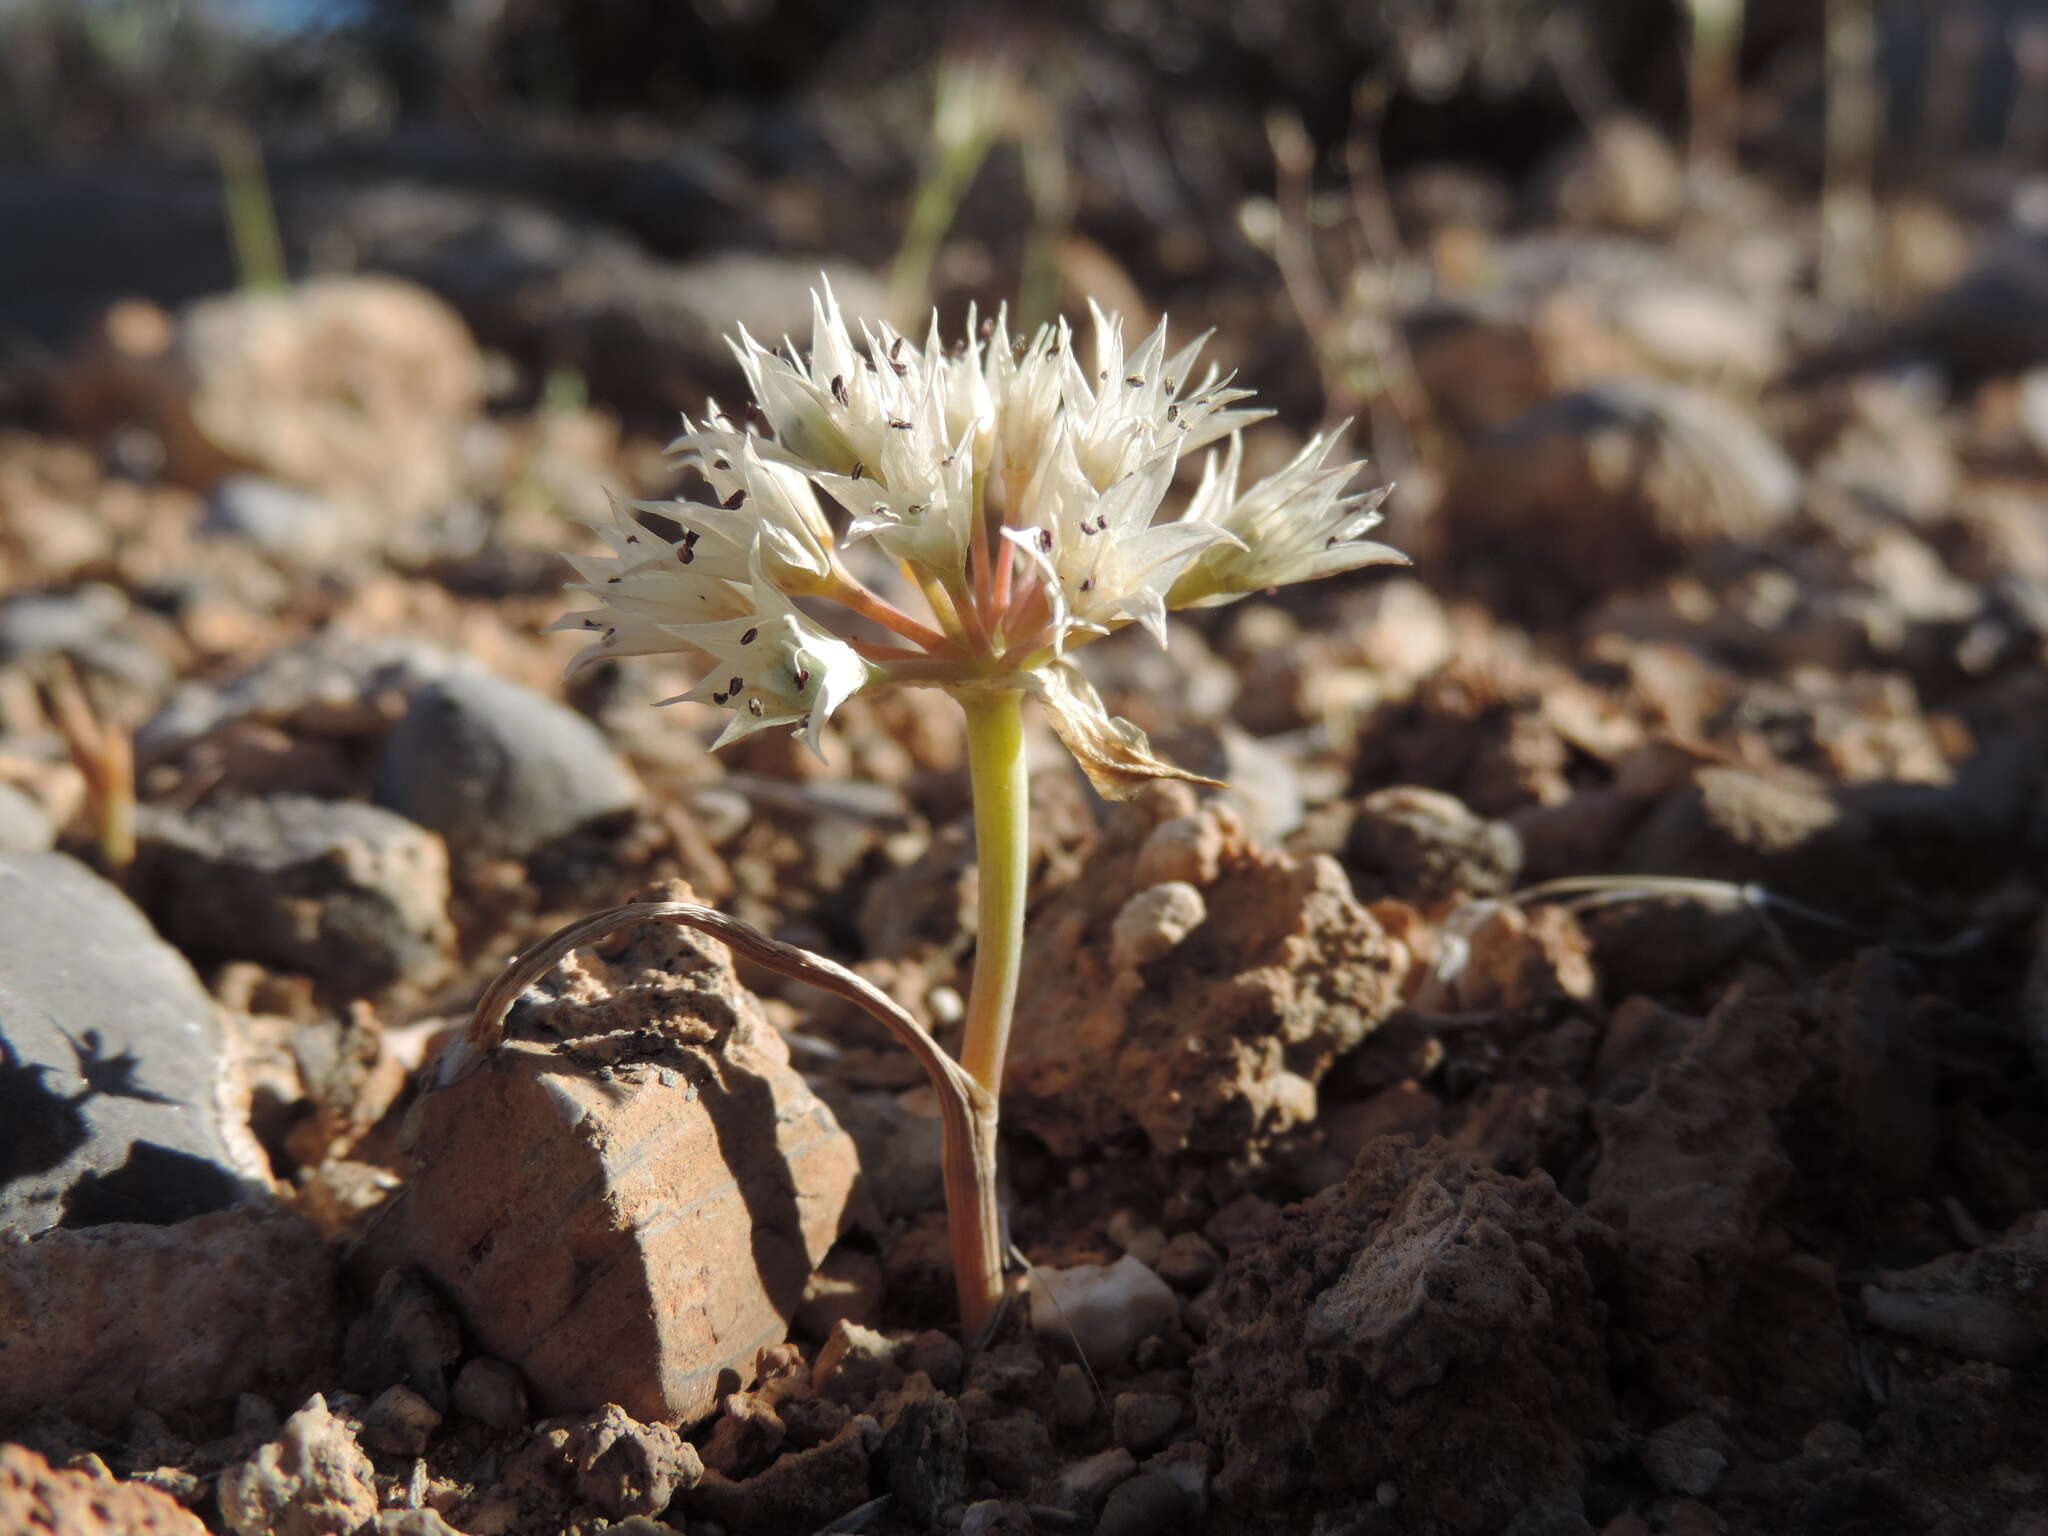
(736, 500)
(748, 637)
(839, 391)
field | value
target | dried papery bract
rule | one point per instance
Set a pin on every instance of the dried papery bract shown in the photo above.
(1018, 490)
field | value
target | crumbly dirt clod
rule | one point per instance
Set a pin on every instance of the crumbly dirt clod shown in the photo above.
(1200, 1008)
(1428, 1322)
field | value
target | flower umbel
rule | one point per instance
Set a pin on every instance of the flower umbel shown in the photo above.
(1018, 491)
(1017, 488)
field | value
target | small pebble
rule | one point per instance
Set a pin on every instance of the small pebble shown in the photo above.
(1188, 1262)
(491, 1392)
(24, 828)
(1105, 1308)
(939, 1356)
(1073, 1398)
(399, 1422)
(854, 1364)
(1148, 1505)
(1153, 922)
(1142, 1420)
(1083, 1485)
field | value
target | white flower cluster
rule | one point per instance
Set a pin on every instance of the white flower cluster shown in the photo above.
(1019, 488)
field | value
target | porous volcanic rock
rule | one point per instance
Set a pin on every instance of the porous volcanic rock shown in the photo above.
(626, 1199)
(1210, 1031)
(36, 1497)
(312, 1479)
(1429, 1322)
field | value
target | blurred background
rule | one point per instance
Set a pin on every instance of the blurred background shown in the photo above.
(599, 190)
(321, 314)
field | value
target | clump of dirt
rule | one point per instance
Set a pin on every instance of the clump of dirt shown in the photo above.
(1191, 984)
(1429, 1334)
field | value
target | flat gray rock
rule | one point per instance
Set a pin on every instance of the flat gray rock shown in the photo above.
(351, 895)
(110, 1060)
(497, 769)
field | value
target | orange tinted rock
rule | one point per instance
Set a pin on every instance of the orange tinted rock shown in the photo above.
(626, 1201)
(34, 1496)
(178, 1320)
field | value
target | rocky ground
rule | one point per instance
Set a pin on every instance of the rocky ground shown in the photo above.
(1359, 1191)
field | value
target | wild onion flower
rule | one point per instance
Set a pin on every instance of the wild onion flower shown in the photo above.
(1019, 490)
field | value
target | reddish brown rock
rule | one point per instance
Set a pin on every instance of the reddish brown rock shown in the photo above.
(1428, 1321)
(352, 384)
(1690, 1174)
(179, 1320)
(35, 1497)
(1203, 1014)
(627, 1199)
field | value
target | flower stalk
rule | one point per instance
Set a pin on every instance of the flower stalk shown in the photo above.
(998, 778)
(1019, 491)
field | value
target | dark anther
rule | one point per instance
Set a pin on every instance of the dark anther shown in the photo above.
(754, 707)
(748, 637)
(860, 471)
(803, 678)
(736, 500)
(899, 424)
(839, 389)
(1136, 381)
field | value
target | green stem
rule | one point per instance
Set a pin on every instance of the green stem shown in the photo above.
(251, 216)
(995, 764)
(995, 758)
